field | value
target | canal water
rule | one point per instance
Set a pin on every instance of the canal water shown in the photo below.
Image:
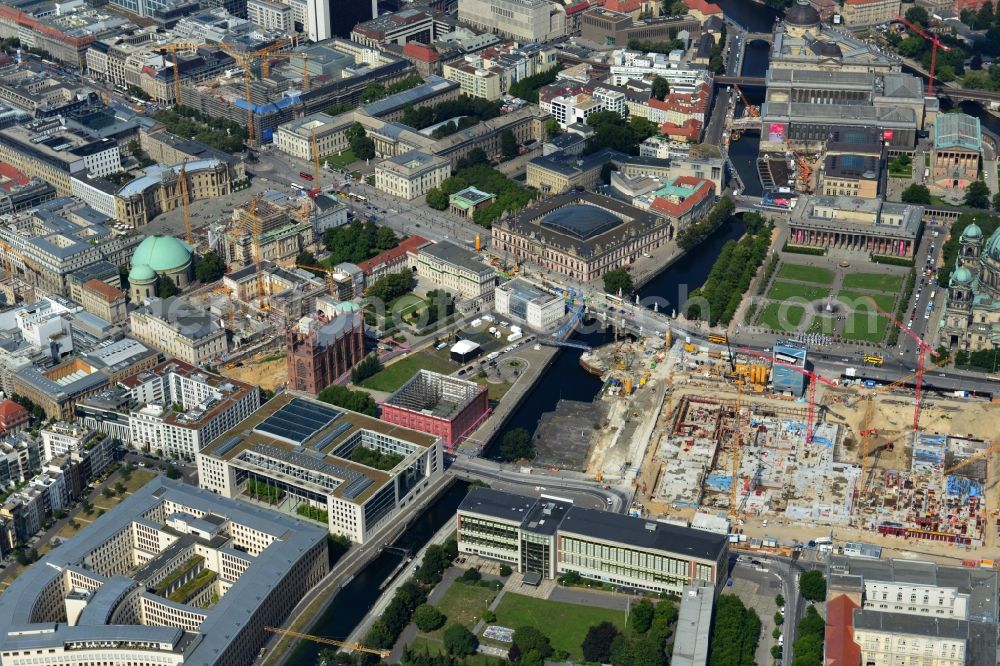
(355, 599)
(752, 16)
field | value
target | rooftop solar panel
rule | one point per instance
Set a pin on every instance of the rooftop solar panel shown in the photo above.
(325, 440)
(228, 445)
(297, 421)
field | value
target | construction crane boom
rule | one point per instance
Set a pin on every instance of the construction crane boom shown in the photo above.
(174, 48)
(737, 453)
(329, 274)
(186, 202)
(358, 647)
(315, 156)
(935, 45)
(993, 448)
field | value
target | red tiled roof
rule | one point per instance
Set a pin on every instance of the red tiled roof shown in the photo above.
(420, 52)
(622, 6)
(578, 7)
(703, 6)
(553, 90)
(690, 130)
(106, 291)
(10, 411)
(841, 650)
(11, 173)
(703, 190)
(394, 254)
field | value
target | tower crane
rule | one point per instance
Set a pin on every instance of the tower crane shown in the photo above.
(993, 448)
(246, 64)
(922, 349)
(813, 377)
(186, 202)
(737, 453)
(752, 110)
(265, 64)
(358, 647)
(174, 48)
(935, 45)
(327, 270)
(316, 170)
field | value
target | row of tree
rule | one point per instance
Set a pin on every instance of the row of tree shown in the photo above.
(809, 635)
(367, 367)
(474, 109)
(717, 300)
(377, 91)
(736, 634)
(614, 132)
(693, 234)
(341, 396)
(510, 196)
(358, 241)
(188, 123)
(527, 88)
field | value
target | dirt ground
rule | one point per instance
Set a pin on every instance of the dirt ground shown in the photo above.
(268, 375)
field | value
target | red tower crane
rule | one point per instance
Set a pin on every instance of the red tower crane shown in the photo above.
(922, 349)
(935, 45)
(813, 377)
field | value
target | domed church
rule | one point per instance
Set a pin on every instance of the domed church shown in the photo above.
(972, 313)
(159, 256)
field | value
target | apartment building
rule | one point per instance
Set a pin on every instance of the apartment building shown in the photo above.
(411, 174)
(523, 20)
(549, 536)
(489, 73)
(409, 24)
(178, 329)
(101, 299)
(271, 15)
(303, 457)
(456, 270)
(47, 150)
(857, 13)
(680, 74)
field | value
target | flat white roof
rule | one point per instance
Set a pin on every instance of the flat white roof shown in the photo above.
(464, 347)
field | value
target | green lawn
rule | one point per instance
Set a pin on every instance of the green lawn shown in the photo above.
(821, 324)
(496, 391)
(781, 291)
(564, 624)
(806, 273)
(781, 320)
(434, 646)
(874, 282)
(342, 160)
(464, 604)
(858, 300)
(392, 376)
(865, 328)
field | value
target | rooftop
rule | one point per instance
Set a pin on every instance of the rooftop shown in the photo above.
(436, 395)
(450, 253)
(864, 167)
(957, 130)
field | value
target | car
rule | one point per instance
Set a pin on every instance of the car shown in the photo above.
(610, 501)
(781, 639)
(729, 583)
(782, 610)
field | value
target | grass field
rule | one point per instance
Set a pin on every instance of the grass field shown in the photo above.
(821, 324)
(781, 291)
(864, 328)
(806, 273)
(464, 604)
(496, 391)
(434, 646)
(774, 318)
(342, 160)
(874, 282)
(564, 624)
(392, 376)
(858, 300)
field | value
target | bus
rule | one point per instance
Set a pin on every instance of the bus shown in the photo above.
(305, 175)
(873, 360)
(296, 186)
(717, 339)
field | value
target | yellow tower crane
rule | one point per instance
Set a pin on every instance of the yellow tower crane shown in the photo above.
(327, 270)
(185, 202)
(315, 155)
(993, 448)
(174, 48)
(358, 647)
(737, 453)
(265, 63)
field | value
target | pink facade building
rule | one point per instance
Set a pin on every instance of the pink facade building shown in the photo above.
(448, 407)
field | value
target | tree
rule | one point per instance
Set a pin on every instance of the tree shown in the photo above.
(516, 445)
(341, 396)
(305, 258)
(996, 202)
(597, 643)
(779, 601)
(977, 194)
(120, 488)
(471, 575)
(641, 616)
(108, 492)
(459, 641)
(529, 638)
(618, 281)
(508, 145)
(368, 366)
(385, 239)
(362, 146)
(211, 267)
(660, 88)
(427, 618)
(505, 570)
(551, 128)
(437, 199)
(392, 286)
(173, 472)
(917, 15)
(813, 585)
(165, 287)
(917, 194)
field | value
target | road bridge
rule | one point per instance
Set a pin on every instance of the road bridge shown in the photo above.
(725, 80)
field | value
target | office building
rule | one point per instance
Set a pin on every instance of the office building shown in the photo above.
(270, 15)
(783, 377)
(580, 234)
(851, 176)
(303, 457)
(528, 304)
(869, 227)
(323, 346)
(958, 145)
(45, 150)
(172, 575)
(71, 441)
(411, 174)
(456, 270)
(447, 407)
(179, 329)
(535, 21)
(409, 24)
(392, 260)
(682, 76)
(490, 73)
(971, 319)
(177, 409)
(859, 13)
(548, 537)
(601, 26)
(694, 620)
(103, 300)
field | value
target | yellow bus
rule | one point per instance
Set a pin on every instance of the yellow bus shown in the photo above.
(874, 360)
(717, 339)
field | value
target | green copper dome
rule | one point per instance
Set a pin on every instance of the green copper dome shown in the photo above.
(993, 246)
(163, 254)
(962, 275)
(141, 273)
(972, 231)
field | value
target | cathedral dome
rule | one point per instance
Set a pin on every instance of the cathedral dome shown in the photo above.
(972, 231)
(802, 14)
(962, 275)
(993, 246)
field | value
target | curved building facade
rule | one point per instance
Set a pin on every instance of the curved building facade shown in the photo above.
(160, 191)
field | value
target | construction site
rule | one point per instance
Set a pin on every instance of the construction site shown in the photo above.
(703, 430)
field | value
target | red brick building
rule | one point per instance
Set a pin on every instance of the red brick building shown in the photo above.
(12, 417)
(321, 349)
(437, 404)
(392, 260)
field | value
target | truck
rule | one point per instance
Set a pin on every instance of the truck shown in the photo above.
(851, 372)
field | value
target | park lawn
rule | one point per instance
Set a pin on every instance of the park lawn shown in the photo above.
(857, 300)
(565, 624)
(806, 273)
(463, 604)
(495, 391)
(781, 291)
(433, 646)
(821, 324)
(874, 282)
(394, 375)
(906, 173)
(863, 328)
(343, 159)
(773, 317)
